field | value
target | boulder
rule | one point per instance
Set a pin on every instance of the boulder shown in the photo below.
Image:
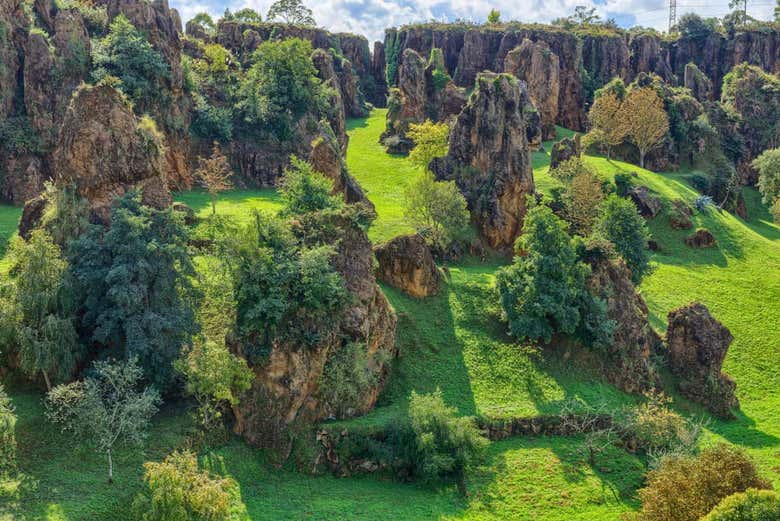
(539, 67)
(103, 150)
(697, 346)
(190, 218)
(32, 213)
(407, 264)
(680, 215)
(489, 156)
(699, 84)
(703, 238)
(648, 205)
(564, 150)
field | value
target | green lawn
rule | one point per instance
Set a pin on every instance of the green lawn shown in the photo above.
(9, 222)
(234, 203)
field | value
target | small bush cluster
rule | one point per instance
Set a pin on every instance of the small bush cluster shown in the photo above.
(7, 434)
(751, 505)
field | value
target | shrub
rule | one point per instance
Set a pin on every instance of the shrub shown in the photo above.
(436, 209)
(656, 429)
(177, 489)
(623, 184)
(686, 488)
(768, 166)
(430, 141)
(751, 505)
(446, 445)
(569, 169)
(581, 200)
(7, 434)
(620, 223)
(304, 190)
(210, 122)
(346, 378)
(703, 203)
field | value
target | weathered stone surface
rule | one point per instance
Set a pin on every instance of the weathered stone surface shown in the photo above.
(699, 84)
(539, 67)
(680, 215)
(103, 152)
(189, 214)
(285, 391)
(647, 204)
(379, 76)
(406, 263)
(351, 95)
(325, 157)
(490, 158)
(648, 55)
(697, 345)
(565, 149)
(628, 363)
(32, 213)
(606, 56)
(324, 63)
(703, 238)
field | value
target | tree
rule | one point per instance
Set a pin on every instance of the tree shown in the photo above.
(214, 174)
(304, 190)
(205, 21)
(436, 209)
(7, 433)
(606, 118)
(541, 290)
(688, 487)
(290, 12)
(177, 489)
(695, 27)
(620, 223)
(135, 282)
(494, 17)
(247, 15)
(126, 54)
(581, 199)
(430, 141)
(768, 166)
(41, 311)
(645, 119)
(281, 86)
(751, 505)
(445, 445)
(106, 408)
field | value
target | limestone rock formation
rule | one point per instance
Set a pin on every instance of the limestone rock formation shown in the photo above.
(379, 76)
(351, 95)
(326, 158)
(103, 150)
(284, 393)
(628, 364)
(565, 149)
(647, 204)
(406, 263)
(697, 345)
(699, 84)
(703, 238)
(326, 71)
(490, 158)
(539, 67)
(649, 55)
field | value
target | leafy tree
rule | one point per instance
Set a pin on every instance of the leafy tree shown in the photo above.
(606, 119)
(7, 433)
(687, 488)
(177, 489)
(107, 409)
(430, 141)
(541, 290)
(567, 170)
(768, 166)
(211, 122)
(125, 53)
(281, 86)
(248, 15)
(40, 312)
(751, 505)
(620, 223)
(135, 284)
(290, 12)
(205, 21)
(304, 190)
(446, 445)
(645, 119)
(585, 15)
(214, 174)
(695, 27)
(494, 17)
(581, 200)
(436, 209)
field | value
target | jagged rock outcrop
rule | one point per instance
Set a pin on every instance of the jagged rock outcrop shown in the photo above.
(352, 97)
(565, 149)
(284, 394)
(605, 56)
(104, 150)
(325, 157)
(628, 362)
(703, 238)
(324, 63)
(489, 156)
(648, 55)
(697, 345)
(698, 83)
(379, 76)
(539, 68)
(647, 204)
(406, 263)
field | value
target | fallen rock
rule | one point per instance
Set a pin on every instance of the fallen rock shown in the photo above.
(680, 215)
(407, 264)
(189, 214)
(703, 238)
(489, 156)
(697, 345)
(564, 150)
(647, 204)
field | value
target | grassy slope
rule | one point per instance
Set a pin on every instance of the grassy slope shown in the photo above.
(235, 203)
(9, 221)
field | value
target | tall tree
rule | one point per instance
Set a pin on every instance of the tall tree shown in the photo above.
(247, 15)
(606, 119)
(581, 200)
(430, 141)
(494, 17)
(214, 174)
(620, 223)
(436, 209)
(304, 190)
(290, 12)
(645, 119)
(106, 408)
(40, 311)
(768, 166)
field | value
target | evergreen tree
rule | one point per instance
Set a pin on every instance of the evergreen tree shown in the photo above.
(620, 223)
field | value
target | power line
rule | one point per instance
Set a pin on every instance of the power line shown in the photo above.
(673, 14)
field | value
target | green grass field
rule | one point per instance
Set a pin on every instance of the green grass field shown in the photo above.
(9, 222)
(456, 342)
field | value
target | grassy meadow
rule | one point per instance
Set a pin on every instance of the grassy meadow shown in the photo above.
(456, 342)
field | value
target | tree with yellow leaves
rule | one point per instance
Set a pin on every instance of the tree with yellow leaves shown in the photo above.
(214, 175)
(606, 120)
(645, 119)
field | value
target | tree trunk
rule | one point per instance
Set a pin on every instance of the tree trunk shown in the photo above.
(110, 468)
(642, 158)
(46, 379)
(213, 206)
(462, 486)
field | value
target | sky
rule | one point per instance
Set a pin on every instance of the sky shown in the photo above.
(371, 17)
